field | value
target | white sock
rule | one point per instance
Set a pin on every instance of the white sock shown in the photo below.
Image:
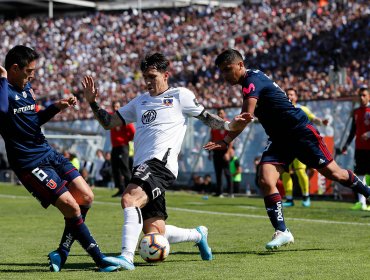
(131, 229)
(176, 235)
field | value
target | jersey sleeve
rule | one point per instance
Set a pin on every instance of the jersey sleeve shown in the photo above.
(189, 103)
(128, 112)
(253, 85)
(4, 102)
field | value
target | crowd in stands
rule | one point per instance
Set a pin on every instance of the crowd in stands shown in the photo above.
(295, 42)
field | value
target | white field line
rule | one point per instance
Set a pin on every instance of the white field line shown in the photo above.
(219, 213)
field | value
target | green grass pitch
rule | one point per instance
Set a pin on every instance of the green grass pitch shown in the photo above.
(331, 241)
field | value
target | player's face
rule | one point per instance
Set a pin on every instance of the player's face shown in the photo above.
(292, 96)
(364, 97)
(232, 72)
(23, 75)
(156, 82)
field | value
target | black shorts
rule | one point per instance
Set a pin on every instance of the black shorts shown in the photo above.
(154, 178)
(362, 162)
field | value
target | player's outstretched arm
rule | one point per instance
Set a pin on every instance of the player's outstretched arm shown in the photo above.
(4, 103)
(212, 120)
(106, 120)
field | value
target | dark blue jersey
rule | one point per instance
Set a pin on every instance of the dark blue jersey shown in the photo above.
(274, 111)
(25, 144)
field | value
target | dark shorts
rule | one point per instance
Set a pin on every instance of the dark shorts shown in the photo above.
(48, 181)
(362, 162)
(306, 144)
(154, 178)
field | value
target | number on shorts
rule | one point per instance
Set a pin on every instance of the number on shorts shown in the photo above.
(40, 174)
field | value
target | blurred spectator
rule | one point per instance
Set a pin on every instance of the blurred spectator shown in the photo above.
(97, 166)
(106, 170)
(120, 137)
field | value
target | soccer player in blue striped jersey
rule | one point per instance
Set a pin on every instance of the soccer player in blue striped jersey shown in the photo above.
(45, 173)
(291, 135)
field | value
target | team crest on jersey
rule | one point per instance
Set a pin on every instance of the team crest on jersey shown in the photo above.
(248, 90)
(168, 101)
(148, 117)
(24, 94)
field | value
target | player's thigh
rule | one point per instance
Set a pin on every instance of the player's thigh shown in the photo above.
(154, 224)
(81, 191)
(134, 196)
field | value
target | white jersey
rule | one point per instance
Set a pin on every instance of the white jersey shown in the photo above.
(161, 123)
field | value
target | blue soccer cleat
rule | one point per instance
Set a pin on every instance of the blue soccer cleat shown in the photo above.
(306, 203)
(204, 249)
(55, 261)
(280, 238)
(110, 264)
(122, 262)
(288, 203)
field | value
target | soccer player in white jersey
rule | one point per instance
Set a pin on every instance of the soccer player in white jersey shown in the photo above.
(161, 119)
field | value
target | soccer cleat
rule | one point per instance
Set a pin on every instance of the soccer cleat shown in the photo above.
(288, 203)
(55, 261)
(280, 238)
(110, 264)
(204, 249)
(306, 203)
(124, 263)
(357, 206)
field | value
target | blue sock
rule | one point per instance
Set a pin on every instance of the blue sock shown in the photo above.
(356, 184)
(275, 211)
(82, 234)
(67, 237)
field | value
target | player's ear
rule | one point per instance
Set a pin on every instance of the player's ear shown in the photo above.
(14, 68)
(241, 64)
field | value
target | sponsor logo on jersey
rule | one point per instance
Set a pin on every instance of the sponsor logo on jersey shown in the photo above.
(24, 94)
(321, 161)
(168, 101)
(17, 97)
(24, 109)
(248, 90)
(149, 116)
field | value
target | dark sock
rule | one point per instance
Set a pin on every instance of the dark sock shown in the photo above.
(356, 184)
(275, 211)
(82, 234)
(67, 237)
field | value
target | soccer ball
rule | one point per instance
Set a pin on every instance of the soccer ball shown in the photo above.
(154, 247)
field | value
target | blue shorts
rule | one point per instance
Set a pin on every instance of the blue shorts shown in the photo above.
(48, 181)
(305, 143)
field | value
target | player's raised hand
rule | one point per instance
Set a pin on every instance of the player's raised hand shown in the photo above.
(90, 92)
(66, 102)
(3, 73)
(240, 121)
(218, 145)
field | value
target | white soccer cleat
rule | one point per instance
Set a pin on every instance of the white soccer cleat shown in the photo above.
(280, 238)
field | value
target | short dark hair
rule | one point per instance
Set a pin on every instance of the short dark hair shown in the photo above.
(362, 89)
(156, 60)
(228, 56)
(293, 89)
(20, 55)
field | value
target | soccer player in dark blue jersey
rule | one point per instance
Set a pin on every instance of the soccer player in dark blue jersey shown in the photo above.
(45, 173)
(291, 135)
